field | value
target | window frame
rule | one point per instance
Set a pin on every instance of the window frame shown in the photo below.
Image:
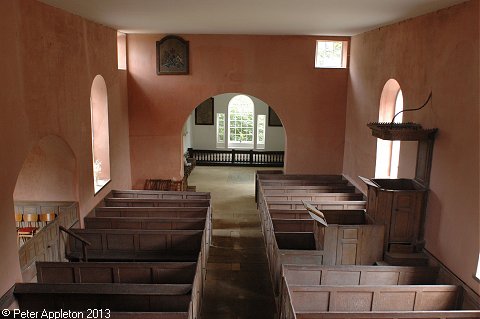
(235, 113)
(343, 57)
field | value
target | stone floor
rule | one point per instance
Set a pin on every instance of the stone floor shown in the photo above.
(238, 284)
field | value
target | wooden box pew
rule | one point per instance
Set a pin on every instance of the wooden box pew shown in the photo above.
(149, 194)
(335, 188)
(369, 298)
(158, 212)
(116, 272)
(115, 297)
(310, 275)
(137, 245)
(171, 283)
(148, 223)
(314, 197)
(334, 245)
(144, 202)
(260, 184)
(265, 207)
(306, 224)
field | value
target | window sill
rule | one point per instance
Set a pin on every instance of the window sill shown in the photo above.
(100, 185)
(476, 278)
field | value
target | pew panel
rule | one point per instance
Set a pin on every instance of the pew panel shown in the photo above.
(141, 202)
(359, 275)
(373, 298)
(116, 297)
(334, 196)
(147, 223)
(137, 244)
(108, 272)
(321, 205)
(147, 194)
(166, 212)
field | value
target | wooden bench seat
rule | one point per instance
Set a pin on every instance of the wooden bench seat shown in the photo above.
(116, 297)
(134, 245)
(314, 197)
(148, 223)
(120, 272)
(150, 194)
(167, 212)
(144, 202)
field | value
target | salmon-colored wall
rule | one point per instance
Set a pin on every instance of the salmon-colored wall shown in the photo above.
(49, 173)
(49, 59)
(438, 52)
(276, 69)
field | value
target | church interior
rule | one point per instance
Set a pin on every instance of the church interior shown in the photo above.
(69, 78)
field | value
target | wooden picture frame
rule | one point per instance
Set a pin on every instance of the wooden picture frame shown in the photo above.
(204, 112)
(172, 55)
(273, 119)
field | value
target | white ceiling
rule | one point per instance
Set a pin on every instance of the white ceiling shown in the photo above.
(296, 17)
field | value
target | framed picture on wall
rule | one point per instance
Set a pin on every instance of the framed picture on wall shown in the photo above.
(172, 55)
(273, 119)
(204, 113)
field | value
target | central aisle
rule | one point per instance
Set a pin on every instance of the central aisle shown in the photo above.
(238, 283)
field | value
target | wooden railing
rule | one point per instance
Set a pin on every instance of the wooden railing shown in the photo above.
(237, 157)
(84, 242)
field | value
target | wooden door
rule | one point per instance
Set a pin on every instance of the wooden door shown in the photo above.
(405, 220)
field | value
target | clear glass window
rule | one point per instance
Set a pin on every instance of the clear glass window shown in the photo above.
(330, 54)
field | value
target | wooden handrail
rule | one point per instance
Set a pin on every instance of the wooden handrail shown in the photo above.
(84, 242)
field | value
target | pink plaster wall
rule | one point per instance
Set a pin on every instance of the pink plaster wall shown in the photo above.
(276, 69)
(49, 60)
(49, 173)
(438, 52)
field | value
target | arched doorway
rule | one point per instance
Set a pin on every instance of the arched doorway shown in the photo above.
(234, 121)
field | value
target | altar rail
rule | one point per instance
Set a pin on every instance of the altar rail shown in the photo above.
(237, 157)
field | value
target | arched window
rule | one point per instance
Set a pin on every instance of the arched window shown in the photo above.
(241, 122)
(388, 152)
(100, 133)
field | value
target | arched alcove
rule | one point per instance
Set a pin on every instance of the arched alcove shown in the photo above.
(203, 127)
(49, 173)
(100, 133)
(388, 152)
